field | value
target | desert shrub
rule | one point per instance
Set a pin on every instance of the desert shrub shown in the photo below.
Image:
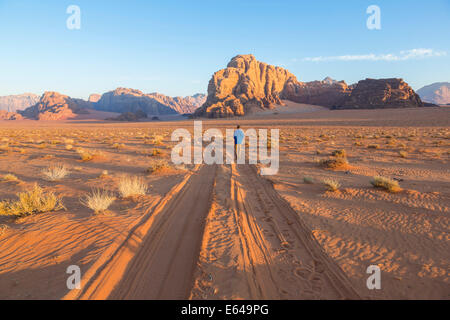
(331, 185)
(31, 202)
(104, 174)
(132, 186)
(335, 163)
(3, 229)
(373, 146)
(308, 180)
(55, 172)
(98, 200)
(10, 177)
(118, 146)
(158, 165)
(89, 155)
(156, 152)
(339, 153)
(157, 139)
(69, 147)
(386, 184)
(403, 154)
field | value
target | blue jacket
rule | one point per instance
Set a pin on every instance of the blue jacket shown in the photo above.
(238, 136)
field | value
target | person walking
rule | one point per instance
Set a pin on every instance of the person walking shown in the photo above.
(238, 140)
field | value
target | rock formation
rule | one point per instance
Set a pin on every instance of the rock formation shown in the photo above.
(381, 93)
(93, 98)
(438, 93)
(55, 106)
(247, 85)
(18, 102)
(327, 92)
(5, 115)
(124, 100)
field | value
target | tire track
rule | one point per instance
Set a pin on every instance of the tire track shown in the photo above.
(321, 276)
(268, 252)
(161, 265)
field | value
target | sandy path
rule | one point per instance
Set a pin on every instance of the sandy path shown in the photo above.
(256, 247)
(157, 261)
(252, 246)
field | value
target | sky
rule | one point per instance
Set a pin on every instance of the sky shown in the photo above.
(174, 47)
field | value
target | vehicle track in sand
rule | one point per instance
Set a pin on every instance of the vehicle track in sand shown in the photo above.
(268, 252)
(222, 233)
(157, 261)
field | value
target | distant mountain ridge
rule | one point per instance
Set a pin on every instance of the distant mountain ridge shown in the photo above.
(438, 93)
(55, 106)
(123, 100)
(14, 103)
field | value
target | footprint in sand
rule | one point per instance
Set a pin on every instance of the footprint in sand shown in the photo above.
(302, 273)
(318, 266)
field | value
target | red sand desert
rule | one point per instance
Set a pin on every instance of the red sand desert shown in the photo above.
(225, 231)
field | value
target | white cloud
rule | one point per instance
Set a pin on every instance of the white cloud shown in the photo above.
(402, 56)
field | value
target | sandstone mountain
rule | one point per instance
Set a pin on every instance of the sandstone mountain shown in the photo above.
(5, 115)
(93, 98)
(55, 106)
(438, 93)
(18, 102)
(327, 92)
(381, 93)
(247, 85)
(123, 100)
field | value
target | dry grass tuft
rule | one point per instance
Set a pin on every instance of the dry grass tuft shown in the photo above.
(10, 177)
(55, 172)
(386, 184)
(132, 186)
(31, 202)
(158, 166)
(331, 185)
(98, 200)
(339, 153)
(3, 229)
(403, 154)
(308, 180)
(335, 163)
(89, 155)
(156, 152)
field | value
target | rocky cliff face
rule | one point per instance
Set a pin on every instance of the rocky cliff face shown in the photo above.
(327, 92)
(124, 100)
(55, 106)
(93, 98)
(5, 115)
(381, 93)
(438, 93)
(247, 85)
(18, 102)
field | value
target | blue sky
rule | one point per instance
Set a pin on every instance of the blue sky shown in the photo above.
(174, 47)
